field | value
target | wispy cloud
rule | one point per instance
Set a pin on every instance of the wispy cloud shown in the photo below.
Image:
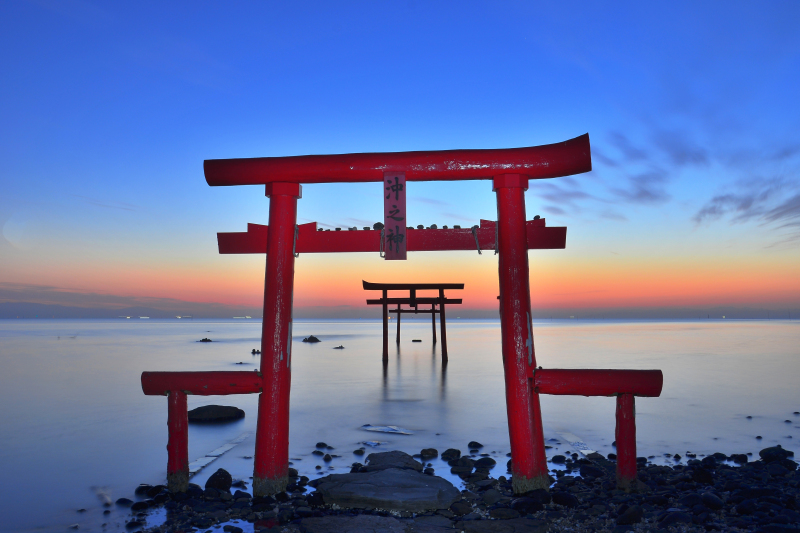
(646, 188)
(679, 149)
(773, 202)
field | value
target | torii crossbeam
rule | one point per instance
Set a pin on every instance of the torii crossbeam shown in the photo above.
(512, 236)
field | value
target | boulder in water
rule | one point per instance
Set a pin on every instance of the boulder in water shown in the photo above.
(215, 413)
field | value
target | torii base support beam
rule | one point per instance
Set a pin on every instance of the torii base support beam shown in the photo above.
(625, 385)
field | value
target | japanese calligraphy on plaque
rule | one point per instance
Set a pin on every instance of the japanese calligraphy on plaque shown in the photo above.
(394, 215)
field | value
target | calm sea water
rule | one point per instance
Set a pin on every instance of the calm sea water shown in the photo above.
(75, 423)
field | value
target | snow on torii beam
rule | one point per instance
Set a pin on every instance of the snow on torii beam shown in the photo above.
(535, 162)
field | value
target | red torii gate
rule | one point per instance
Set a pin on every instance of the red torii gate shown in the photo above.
(509, 170)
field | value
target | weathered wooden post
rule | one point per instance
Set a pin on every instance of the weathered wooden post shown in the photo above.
(398, 323)
(529, 462)
(626, 441)
(271, 469)
(178, 442)
(433, 321)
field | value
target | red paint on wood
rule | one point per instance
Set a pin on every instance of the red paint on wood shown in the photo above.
(536, 162)
(272, 431)
(310, 240)
(598, 382)
(626, 439)
(369, 286)
(395, 243)
(524, 415)
(178, 443)
(201, 383)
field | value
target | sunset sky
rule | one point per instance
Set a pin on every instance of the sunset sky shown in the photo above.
(107, 111)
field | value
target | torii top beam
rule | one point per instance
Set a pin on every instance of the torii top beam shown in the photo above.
(535, 162)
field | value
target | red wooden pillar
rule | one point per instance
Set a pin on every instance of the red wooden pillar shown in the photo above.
(271, 471)
(529, 463)
(443, 326)
(178, 443)
(626, 441)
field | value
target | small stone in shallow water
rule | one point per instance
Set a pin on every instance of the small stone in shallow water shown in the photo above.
(474, 444)
(451, 454)
(758, 437)
(220, 480)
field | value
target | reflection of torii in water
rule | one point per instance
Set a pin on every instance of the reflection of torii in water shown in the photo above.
(510, 171)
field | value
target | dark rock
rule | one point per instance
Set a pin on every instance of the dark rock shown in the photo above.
(318, 452)
(631, 515)
(321, 445)
(746, 507)
(359, 451)
(315, 499)
(311, 338)
(124, 502)
(591, 471)
(712, 501)
(566, 499)
(429, 453)
(393, 459)
(776, 470)
(539, 495)
(690, 500)
(485, 462)
(429, 471)
(391, 489)
(701, 475)
(514, 525)
(475, 445)
(461, 508)
(215, 413)
(142, 489)
(775, 453)
(673, 518)
(355, 524)
(220, 480)
(491, 496)
(140, 506)
(558, 459)
(205, 339)
(451, 454)
(739, 458)
(526, 505)
(503, 513)
(327, 458)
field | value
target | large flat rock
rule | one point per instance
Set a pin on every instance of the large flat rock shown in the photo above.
(366, 524)
(515, 525)
(393, 489)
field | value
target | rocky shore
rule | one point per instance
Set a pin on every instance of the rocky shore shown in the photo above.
(393, 492)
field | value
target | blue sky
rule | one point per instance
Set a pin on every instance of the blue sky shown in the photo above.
(109, 109)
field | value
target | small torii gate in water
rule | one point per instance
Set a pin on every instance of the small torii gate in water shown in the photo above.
(511, 237)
